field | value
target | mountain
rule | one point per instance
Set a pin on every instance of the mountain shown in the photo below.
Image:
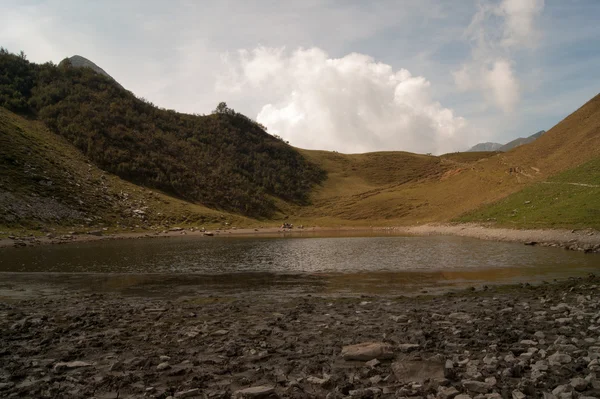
(78, 150)
(520, 141)
(224, 160)
(505, 147)
(485, 147)
(78, 61)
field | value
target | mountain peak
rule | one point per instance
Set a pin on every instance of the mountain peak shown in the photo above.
(82, 62)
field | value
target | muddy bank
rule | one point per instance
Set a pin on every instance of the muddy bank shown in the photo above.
(510, 342)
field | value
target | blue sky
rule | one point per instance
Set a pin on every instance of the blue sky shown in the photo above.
(353, 76)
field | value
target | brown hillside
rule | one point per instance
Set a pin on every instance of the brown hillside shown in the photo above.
(404, 188)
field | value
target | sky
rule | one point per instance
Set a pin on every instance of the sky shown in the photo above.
(351, 76)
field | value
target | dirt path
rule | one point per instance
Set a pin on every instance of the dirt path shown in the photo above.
(572, 184)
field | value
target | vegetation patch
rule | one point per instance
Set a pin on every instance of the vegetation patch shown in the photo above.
(568, 199)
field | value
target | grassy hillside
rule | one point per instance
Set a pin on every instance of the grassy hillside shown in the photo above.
(224, 160)
(403, 188)
(569, 199)
(45, 181)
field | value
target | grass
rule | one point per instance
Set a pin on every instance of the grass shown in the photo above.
(557, 202)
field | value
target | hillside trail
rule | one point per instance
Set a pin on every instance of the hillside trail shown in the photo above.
(573, 184)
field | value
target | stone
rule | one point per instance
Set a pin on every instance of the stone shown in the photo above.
(579, 384)
(460, 316)
(163, 366)
(447, 393)
(449, 371)
(417, 371)
(255, 392)
(559, 390)
(372, 363)
(318, 381)
(188, 394)
(70, 365)
(462, 396)
(516, 394)
(559, 358)
(408, 347)
(476, 386)
(367, 351)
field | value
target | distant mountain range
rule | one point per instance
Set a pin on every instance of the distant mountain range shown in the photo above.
(505, 147)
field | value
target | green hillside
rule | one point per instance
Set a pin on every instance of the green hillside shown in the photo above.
(46, 182)
(568, 199)
(224, 160)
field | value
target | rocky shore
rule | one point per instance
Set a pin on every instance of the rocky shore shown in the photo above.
(500, 342)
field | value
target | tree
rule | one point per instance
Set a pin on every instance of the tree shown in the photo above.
(223, 109)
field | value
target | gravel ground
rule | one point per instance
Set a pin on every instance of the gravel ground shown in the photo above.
(507, 341)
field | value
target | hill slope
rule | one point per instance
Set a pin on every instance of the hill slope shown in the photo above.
(419, 189)
(569, 199)
(224, 160)
(45, 181)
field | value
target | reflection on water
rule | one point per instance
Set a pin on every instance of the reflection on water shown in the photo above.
(389, 264)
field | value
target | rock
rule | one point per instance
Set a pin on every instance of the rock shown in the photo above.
(449, 371)
(559, 358)
(319, 381)
(188, 393)
(462, 396)
(418, 371)
(476, 386)
(408, 347)
(516, 394)
(367, 351)
(559, 390)
(221, 332)
(446, 393)
(176, 229)
(255, 392)
(372, 363)
(70, 365)
(579, 384)
(163, 366)
(460, 316)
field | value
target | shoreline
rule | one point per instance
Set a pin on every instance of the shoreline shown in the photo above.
(585, 240)
(507, 341)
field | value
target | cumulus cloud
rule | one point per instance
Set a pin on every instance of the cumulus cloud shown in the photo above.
(496, 31)
(350, 104)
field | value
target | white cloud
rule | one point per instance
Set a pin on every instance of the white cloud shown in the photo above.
(497, 30)
(349, 104)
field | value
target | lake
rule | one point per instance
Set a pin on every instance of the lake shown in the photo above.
(394, 265)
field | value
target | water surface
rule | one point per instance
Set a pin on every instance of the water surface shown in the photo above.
(388, 264)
